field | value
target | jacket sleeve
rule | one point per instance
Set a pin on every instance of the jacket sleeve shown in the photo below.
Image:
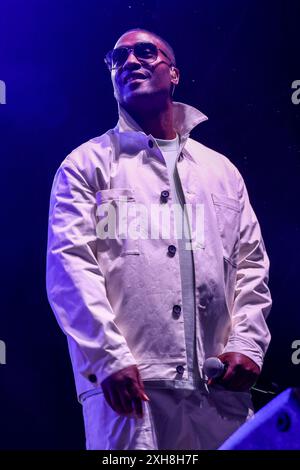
(252, 300)
(75, 284)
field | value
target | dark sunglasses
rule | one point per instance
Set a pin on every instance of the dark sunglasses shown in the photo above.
(145, 52)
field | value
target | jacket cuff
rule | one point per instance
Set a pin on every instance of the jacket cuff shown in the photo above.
(97, 375)
(239, 344)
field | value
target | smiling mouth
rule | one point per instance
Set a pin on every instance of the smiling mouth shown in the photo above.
(135, 79)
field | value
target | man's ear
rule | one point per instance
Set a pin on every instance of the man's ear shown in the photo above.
(175, 74)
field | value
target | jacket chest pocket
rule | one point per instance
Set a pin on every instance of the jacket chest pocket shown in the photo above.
(228, 213)
(116, 222)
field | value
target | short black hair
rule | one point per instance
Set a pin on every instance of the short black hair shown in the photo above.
(166, 43)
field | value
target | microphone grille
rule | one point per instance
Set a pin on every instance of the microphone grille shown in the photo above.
(213, 367)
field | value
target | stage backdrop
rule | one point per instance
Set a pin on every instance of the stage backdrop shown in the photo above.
(238, 63)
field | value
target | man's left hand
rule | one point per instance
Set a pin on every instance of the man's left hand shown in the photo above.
(241, 373)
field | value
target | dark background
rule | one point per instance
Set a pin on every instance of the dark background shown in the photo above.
(238, 60)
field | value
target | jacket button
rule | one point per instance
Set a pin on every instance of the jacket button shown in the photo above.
(150, 143)
(171, 250)
(92, 378)
(176, 310)
(164, 196)
(180, 369)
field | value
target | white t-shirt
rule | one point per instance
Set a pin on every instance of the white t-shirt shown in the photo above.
(170, 151)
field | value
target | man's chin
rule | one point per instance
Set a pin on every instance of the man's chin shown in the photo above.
(137, 95)
(146, 99)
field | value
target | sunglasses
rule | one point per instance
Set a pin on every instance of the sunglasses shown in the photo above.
(145, 52)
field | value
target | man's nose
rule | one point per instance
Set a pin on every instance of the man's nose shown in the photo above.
(131, 61)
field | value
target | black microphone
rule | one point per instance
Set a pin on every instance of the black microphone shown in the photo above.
(214, 368)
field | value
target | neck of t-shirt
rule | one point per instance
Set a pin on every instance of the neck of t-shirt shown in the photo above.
(170, 144)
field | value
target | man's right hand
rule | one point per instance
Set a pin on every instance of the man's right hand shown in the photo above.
(124, 391)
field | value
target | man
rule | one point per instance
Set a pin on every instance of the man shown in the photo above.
(143, 312)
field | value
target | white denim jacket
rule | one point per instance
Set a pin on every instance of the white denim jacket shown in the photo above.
(114, 298)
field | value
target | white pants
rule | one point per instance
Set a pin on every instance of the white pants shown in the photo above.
(173, 420)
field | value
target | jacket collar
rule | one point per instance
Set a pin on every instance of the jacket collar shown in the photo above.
(185, 118)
